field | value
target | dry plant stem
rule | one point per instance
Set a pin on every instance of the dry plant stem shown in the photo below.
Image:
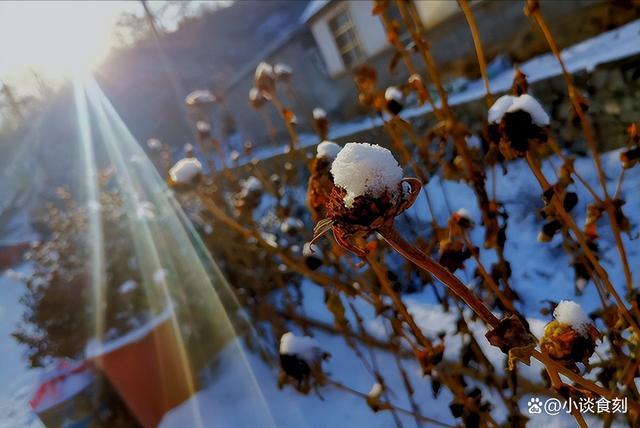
(350, 390)
(556, 149)
(591, 143)
(557, 384)
(416, 28)
(286, 259)
(568, 220)
(475, 34)
(508, 304)
(293, 136)
(414, 24)
(380, 273)
(425, 262)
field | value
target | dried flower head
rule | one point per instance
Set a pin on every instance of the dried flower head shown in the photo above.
(571, 337)
(185, 171)
(321, 181)
(368, 193)
(282, 71)
(200, 98)
(520, 121)
(394, 96)
(257, 98)
(154, 144)
(265, 78)
(320, 122)
(300, 358)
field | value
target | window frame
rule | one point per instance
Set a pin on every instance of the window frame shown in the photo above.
(354, 43)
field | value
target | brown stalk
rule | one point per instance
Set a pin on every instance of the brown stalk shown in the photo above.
(475, 34)
(350, 390)
(568, 220)
(425, 262)
(534, 12)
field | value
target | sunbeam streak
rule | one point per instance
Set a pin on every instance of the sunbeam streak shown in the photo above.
(175, 267)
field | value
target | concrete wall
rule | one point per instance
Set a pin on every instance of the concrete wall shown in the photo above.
(369, 29)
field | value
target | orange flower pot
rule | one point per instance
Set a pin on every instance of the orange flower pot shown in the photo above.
(148, 369)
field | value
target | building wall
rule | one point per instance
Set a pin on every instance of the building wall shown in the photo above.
(432, 12)
(370, 31)
(311, 86)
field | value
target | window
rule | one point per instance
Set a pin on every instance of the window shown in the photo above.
(346, 37)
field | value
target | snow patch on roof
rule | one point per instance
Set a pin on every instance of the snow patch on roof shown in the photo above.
(365, 169)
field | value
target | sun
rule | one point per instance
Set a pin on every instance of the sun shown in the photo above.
(56, 38)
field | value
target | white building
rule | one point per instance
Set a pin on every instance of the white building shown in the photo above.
(347, 33)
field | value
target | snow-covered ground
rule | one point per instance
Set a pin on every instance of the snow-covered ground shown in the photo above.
(17, 382)
(539, 273)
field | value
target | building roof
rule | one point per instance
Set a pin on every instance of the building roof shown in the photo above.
(313, 8)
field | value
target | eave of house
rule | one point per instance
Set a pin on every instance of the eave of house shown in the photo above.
(313, 9)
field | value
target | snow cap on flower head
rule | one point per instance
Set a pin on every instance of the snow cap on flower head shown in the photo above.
(154, 144)
(264, 69)
(328, 150)
(282, 69)
(571, 314)
(393, 93)
(319, 113)
(510, 104)
(304, 347)
(203, 126)
(200, 97)
(365, 169)
(185, 170)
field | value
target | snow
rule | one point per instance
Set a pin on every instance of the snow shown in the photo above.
(264, 69)
(319, 113)
(185, 170)
(281, 69)
(250, 184)
(201, 96)
(328, 149)
(365, 169)
(127, 286)
(464, 213)
(500, 107)
(510, 104)
(393, 93)
(203, 126)
(160, 276)
(62, 381)
(376, 390)
(96, 348)
(291, 223)
(526, 102)
(303, 347)
(145, 210)
(255, 94)
(570, 313)
(154, 144)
